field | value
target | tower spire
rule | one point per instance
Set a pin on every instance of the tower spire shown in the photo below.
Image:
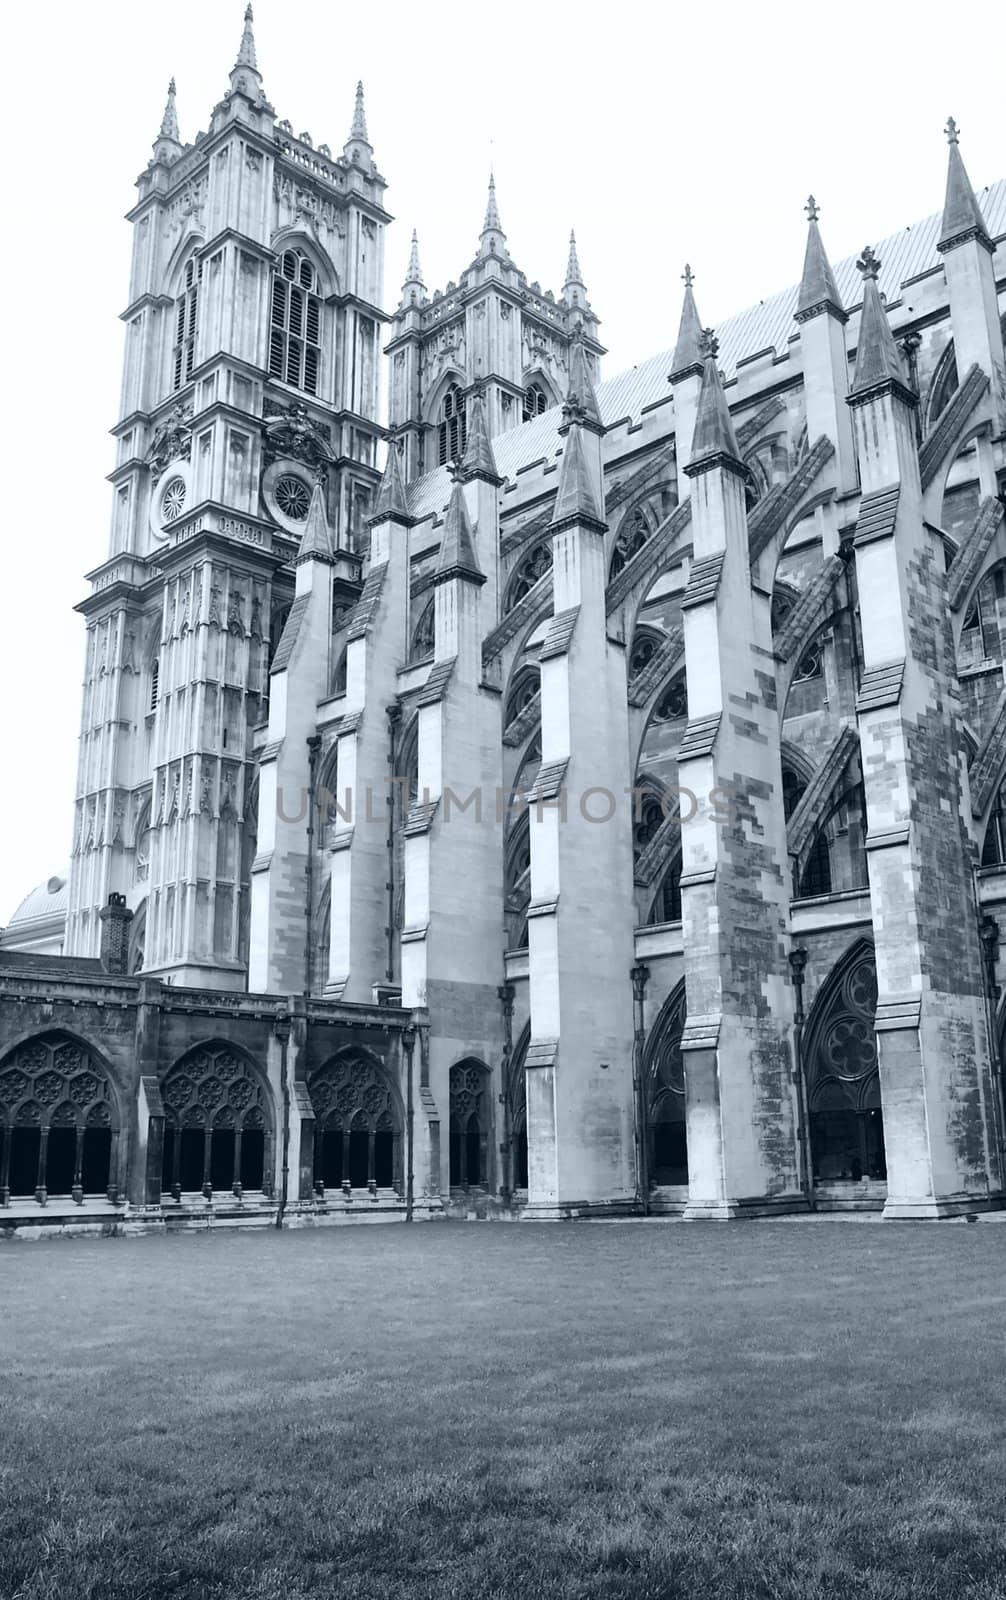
(413, 287)
(168, 142)
(818, 289)
(245, 74)
(492, 238)
(713, 440)
(688, 350)
(877, 360)
(358, 147)
(962, 215)
(574, 290)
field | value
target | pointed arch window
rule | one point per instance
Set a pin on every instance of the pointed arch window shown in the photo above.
(469, 1130)
(843, 1084)
(295, 323)
(994, 844)
(667, 1151)
(631, 537)
(424, 636)
(186, 325)
(452, 431)
(816, 876)
(528, 572)
(535, 402)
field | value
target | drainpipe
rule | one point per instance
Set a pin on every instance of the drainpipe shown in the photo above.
(797, 965)
(640, 977)
(281, 1028)
(313, 748)
(988, 929)
(409, 1045)
(505, 994)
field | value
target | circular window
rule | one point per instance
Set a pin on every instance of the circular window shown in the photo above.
(293, 497)
(173, 500)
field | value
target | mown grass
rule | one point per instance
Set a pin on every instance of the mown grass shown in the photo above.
(653, 1411)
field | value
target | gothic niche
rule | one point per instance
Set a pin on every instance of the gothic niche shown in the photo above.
(218, 1134)
(358, 1130)
(58, 1123)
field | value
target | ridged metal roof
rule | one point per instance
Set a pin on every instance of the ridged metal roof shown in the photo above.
(769, 325)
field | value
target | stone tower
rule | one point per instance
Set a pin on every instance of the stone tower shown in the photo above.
(249, 400)
(491, 332)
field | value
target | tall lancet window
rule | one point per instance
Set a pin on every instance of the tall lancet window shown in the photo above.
(186, 325)
(452, 434)
(295, 323)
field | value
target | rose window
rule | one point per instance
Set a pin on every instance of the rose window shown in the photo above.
(293, 497)
(173, 500)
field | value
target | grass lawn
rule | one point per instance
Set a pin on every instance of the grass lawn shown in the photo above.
(652, 1411)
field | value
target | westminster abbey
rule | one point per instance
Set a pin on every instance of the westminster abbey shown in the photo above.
(546, 796)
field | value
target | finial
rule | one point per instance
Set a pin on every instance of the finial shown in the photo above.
(812, 209)
(169, 121)
(709, 345)
(492, 223)
(688, 276)
(952, 131)
(359, 129)
(868, 264)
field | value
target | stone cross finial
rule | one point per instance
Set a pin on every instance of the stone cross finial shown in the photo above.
(688, 276)
(951, 131)
(868, 264)
(709, 344)
(812, 209)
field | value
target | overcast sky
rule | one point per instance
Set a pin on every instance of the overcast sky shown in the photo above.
(661, 133)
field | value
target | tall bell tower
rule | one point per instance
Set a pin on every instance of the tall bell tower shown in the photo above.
(250, 381)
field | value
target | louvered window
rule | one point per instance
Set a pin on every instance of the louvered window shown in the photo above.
(295, 323)
(186, 325)
(452, 435)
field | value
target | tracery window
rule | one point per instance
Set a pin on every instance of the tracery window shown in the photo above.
(535, 402)
(665, 1098)
(793, 790)
(58, 1122)
(217, 1125)
(524, 692)
(667, 900)
(517, 883)
(985, 621)
(529, 572)
(358, 1133)
(673, 703)
(644, 647)
(809, 666)
(632, 535)
(469, 1131)
(452, 432)
(186, 325)
(846, 1121)
(295, 323)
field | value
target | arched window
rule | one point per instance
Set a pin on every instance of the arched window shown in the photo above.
(843, 1084)
(516, 1103)
(424, 634)
(525, 691)
(217, 1125)
(155, 682)
(358, 1131)
(58, 1123)
(527, 573)
(667, 900)
(945, 382)
(535, 402)
(667, 1145)
(793, 790)
(645, 644)
(985, 621)
(469, 1133)
(994, 843)
(186, 325)
(295, 323)
(452, 433)
(517, 883)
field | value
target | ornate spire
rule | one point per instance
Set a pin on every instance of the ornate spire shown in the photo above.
(246, 49)
(877, 360)
(962, 215)
(413, 289)
(581, 401)
(818, 289)
(478, 460)
(492, 237)
(358, 147)
(574, 277)
(688, 350)
(713, 441)
(392, 500)
(457, 550)
(576, 498)
(169, 121)
(316, 541)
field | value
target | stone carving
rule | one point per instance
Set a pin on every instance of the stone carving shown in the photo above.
(172, 440)
(291, 433)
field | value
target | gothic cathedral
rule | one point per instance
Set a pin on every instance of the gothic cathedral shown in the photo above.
(523, 795)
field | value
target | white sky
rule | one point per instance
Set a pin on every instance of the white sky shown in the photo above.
(661, 133)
